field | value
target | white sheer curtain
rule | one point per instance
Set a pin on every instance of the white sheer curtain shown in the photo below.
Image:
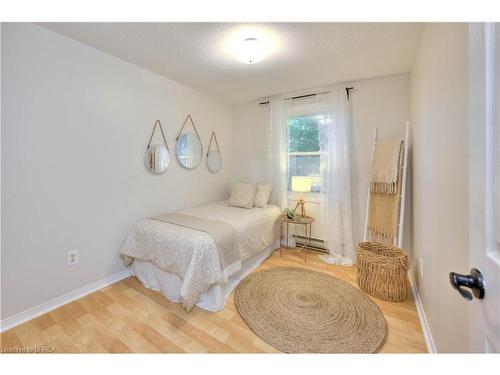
(334, 135)
(333, 115)
(277, 148)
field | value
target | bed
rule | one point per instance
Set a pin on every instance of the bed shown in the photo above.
(195, 267)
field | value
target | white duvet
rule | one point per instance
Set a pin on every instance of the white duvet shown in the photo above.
(192, 254)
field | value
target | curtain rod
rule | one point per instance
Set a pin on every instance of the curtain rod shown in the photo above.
(347, 90)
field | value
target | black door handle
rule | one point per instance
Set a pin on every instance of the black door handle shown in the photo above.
(474, 281)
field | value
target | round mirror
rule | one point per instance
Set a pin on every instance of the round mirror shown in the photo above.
(214, 161)
(189, 150)
(157, 158)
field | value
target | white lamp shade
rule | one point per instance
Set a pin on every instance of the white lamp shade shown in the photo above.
(301, 184)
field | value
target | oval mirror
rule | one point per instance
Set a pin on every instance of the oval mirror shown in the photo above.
(214, 161)
(157, 158)
(188, 150)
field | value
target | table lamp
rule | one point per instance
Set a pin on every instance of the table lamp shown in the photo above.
(301, 184)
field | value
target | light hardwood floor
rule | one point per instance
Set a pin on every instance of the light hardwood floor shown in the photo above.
(126, 317)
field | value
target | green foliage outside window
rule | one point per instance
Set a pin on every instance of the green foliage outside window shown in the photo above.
(303, 134)
(303, 137)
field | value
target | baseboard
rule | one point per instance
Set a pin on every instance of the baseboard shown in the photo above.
(431, 347)
(46, 307)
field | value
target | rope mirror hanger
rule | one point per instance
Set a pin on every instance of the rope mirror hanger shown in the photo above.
(184, 124)
(213, 137)
(158, 123)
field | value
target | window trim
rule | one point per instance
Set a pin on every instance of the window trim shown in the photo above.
(312, 196)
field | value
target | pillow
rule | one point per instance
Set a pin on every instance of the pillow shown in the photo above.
(263, 195)
(242, 195)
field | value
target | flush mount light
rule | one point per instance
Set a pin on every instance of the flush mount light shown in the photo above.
(249, 43)
(251, 51)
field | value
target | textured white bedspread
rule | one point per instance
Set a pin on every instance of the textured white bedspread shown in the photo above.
(192, 254)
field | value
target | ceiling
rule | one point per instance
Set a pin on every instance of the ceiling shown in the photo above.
(303, 55)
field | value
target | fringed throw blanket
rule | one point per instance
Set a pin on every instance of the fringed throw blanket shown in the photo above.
(383, 213)
(383, 218)
(385, 166)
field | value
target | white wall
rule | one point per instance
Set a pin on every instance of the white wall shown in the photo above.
(380, 102)
(75, 125)
(440, 178)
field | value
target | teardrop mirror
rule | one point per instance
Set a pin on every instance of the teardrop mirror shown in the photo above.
(188, 148)
(214, 158)
(157, 158)
(214, 161)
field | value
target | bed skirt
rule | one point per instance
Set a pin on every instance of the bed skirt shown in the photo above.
(214, 299)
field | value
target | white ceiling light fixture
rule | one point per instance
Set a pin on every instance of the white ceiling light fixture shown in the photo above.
(250, 43)
(251, 51)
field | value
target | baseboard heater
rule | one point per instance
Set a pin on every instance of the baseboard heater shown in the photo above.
(317, 244)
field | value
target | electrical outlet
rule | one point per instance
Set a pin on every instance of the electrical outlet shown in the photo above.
(421, 268)
(72, 257)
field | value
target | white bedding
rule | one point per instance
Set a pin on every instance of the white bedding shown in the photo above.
(214, 299)
(192, 255)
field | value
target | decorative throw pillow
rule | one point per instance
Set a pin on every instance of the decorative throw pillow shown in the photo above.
(242, 195)
(262, 196)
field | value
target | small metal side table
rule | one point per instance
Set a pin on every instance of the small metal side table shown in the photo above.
(306, 221)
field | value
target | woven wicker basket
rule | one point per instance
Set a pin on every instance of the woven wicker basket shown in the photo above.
(382, 271)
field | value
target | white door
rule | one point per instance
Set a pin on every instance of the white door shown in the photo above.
(484, 186)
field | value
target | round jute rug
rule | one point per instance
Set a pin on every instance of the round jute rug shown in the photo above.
(301, 311)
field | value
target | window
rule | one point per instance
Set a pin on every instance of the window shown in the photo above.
(303, 151)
